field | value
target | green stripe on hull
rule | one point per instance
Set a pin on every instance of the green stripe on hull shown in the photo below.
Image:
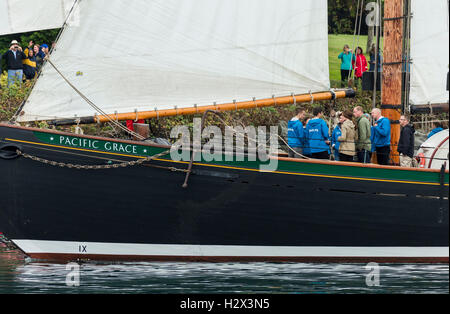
(292, 167)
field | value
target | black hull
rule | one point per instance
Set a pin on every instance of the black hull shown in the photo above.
(221, 207)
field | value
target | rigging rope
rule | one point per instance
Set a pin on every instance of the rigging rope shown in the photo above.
(356, 37)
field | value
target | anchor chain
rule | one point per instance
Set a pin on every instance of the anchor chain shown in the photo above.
(92, 167)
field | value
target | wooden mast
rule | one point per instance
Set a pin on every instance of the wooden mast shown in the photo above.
(391, 100)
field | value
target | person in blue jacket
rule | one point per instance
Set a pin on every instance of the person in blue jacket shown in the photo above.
(381, 137)
(437, 127)
(318, 136)
(306, 148)
(337, 132)
(296, 134)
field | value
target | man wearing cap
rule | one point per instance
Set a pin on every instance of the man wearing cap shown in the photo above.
(14, 57)
(45, 50)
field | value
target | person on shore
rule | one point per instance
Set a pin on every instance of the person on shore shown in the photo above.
(363, 135)
(296, 134)
(347, 149)
(39, 56)
(14, 63)
(360, 65)
(406, 143)
(44, 49)
(318, 135)
(27, 49)
(337, 132)
(437, 127)
(381, 137)
(347, 57)
(29, 65)
(372, 60)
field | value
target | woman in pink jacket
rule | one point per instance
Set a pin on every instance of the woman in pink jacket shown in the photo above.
(360, 65)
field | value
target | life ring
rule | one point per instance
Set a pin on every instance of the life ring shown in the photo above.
(421, 160)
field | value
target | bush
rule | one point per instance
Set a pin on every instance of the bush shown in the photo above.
(11, 97)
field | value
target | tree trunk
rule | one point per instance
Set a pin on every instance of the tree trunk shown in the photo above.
(370, 39)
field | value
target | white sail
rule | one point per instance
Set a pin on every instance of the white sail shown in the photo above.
(429, 52)
(138, 55)
(21, 16)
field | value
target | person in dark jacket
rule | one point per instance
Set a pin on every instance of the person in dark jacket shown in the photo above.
(406, 143)
(29, 65)
(318, 135)
(39, 55)
(14, 57)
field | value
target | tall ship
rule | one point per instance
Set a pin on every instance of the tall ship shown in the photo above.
(67, 197)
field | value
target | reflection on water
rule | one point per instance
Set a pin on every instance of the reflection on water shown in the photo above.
(18, 275)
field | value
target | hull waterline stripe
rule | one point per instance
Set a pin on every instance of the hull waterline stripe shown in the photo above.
(223, 252)
(229, 167)
(65, 247)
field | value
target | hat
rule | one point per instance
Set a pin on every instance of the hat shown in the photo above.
(14, 42)
(44, 46)
(348, 114)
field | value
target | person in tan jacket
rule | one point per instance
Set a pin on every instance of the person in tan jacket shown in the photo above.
(347, 150)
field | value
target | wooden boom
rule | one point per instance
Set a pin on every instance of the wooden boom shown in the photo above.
(269, 102)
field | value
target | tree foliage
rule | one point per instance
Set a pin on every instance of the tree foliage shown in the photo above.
(342, 16)
(41, 37)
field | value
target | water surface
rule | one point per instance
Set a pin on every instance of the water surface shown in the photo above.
(19, 275)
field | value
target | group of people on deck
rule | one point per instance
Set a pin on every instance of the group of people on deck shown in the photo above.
(24, 64)
(358, 63)
(353, 139)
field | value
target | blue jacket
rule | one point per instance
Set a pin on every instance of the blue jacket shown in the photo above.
(334, 138)
(295, 133)
(435, 131)
(381, 134)
(306, 149)
(346, 60)
(316, 136)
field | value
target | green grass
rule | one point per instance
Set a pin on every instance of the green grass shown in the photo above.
(335, 46)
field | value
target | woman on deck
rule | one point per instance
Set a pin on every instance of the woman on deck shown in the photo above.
(347, 150)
